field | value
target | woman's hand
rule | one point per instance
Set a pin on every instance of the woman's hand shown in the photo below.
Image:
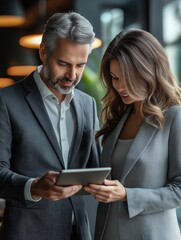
(110, 191)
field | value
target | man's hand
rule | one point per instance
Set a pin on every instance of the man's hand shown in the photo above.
(44, 187)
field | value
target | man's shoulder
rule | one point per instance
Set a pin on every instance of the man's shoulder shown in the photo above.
(16, 87)
(79, 93)
(11, 88)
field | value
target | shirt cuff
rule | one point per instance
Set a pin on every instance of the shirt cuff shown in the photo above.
(27, 191)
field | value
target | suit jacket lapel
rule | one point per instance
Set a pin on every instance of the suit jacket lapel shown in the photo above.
(77, 105)
(111, 141)
(141, 141)
(41, 115)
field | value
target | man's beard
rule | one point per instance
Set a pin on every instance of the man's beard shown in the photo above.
(53, 82)
(63, 90)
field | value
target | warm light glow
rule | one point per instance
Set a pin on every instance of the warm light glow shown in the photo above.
(31, 41)
(4, 82)
(97, 43)
(20, 70)
(11, 21)
(34, 40)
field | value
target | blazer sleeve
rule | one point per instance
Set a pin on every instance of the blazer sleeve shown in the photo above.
(8, 179)
(142, 201)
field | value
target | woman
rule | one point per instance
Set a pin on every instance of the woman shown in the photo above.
(141, 136)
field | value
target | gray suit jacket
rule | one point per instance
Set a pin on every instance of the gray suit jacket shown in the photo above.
(28, 148)
(152, 177)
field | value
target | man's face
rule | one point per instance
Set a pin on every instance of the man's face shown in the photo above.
(63, 69)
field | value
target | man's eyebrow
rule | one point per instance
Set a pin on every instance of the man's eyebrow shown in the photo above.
(62, 61)
(68, 63)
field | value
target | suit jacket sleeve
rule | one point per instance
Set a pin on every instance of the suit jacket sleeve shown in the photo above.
(18, 181)
(144, 201)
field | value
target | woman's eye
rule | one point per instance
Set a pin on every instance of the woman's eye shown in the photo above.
(114, 78)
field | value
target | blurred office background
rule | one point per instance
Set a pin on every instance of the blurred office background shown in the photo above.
(162, 18)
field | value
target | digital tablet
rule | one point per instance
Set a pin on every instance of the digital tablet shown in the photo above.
(82, 176)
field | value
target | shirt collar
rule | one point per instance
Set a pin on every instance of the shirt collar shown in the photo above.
(45, 91)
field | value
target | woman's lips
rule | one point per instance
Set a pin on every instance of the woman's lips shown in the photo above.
(124, 95)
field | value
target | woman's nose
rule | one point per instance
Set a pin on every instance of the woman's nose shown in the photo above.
(119, 85)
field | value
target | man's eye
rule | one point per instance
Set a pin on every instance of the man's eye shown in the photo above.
(80, 66)
(62, 64)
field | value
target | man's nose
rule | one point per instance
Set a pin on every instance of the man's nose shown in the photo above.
(72, 74)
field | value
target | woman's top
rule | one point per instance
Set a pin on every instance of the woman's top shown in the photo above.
(119, 155)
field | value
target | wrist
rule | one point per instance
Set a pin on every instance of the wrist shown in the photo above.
(124, 195)
(34, 191)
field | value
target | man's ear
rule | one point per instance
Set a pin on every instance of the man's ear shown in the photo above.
(42, 52)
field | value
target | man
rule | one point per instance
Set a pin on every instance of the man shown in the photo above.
(47, 125)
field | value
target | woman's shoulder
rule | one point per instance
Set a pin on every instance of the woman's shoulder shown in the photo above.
(173, 111)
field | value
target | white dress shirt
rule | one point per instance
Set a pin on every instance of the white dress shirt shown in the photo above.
(61, 117)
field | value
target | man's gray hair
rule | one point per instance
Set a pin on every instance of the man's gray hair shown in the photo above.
(71, 26)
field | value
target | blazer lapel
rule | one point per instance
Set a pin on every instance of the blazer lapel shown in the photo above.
(111, 141)
(77, 105)
(41, 115)
(141, 141)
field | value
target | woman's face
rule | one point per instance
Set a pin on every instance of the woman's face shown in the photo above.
(117, 82)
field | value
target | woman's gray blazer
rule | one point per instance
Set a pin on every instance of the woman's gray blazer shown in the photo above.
(152, 177)
(28, 148)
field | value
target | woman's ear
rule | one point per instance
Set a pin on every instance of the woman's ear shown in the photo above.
(42, 52)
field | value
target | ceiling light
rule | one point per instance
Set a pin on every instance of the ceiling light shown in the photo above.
(21, 61)
(4, 82)
(31, 41)
(23, 70)
(11, 13)
(11, 21)
(97, 43)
